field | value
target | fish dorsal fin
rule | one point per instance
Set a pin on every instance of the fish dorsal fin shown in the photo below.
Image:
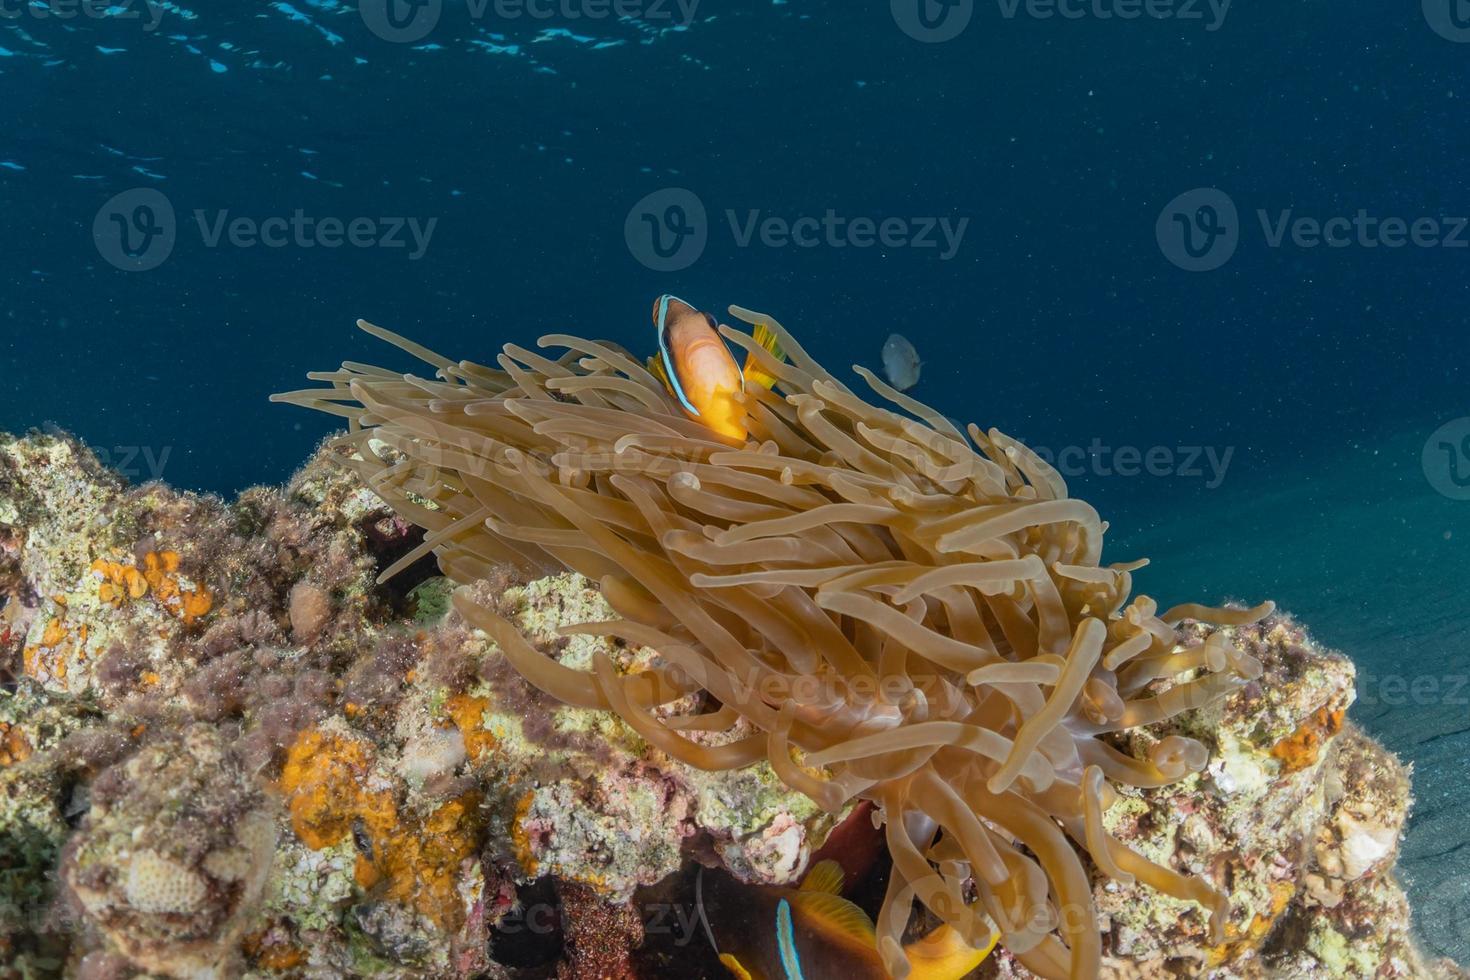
(944, 955)
(730, 963)
(836, 914)
(825, 876)
(765, 337)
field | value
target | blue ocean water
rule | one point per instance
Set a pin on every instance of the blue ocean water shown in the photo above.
(1211, 257)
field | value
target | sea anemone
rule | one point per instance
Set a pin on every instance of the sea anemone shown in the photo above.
(877, 605)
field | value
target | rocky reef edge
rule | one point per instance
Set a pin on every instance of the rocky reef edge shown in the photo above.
(226, 751)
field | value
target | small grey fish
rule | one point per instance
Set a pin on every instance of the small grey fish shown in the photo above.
(901, 362)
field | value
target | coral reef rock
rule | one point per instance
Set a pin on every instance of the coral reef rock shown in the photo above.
(171, 860)
(1298, 815)
(236, 752)
(226, 750)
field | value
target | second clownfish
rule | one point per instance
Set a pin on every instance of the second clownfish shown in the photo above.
(813, 933)
(698, 369)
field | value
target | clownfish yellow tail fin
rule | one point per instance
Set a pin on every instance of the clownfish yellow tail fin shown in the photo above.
(944, 955)
(766, 338)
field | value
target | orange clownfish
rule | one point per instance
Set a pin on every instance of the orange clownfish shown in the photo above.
(697, 368)
(813, 933)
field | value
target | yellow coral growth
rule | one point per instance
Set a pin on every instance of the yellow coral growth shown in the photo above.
(160, 569)
(469, 715)
(520, 839)
(1303, 747)
(119, 583)
(281, 958)
(276, 956)
(159, 564)
(322, 781)
(13, 745)
(46, 661)
(414, 861)
(54, 633)
(417, 863)
(1240, 941)
(194, 605)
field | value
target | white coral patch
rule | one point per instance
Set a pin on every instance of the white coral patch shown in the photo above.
(777, 854)
(1363, 846)
(434, 753)
(1239, 769)
(157, 885)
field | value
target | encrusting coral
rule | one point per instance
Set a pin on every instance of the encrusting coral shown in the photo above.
(173, 855)
(535, 838)
(866, 601)
(444, 757)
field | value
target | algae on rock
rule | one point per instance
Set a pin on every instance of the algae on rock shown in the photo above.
(230, 792)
